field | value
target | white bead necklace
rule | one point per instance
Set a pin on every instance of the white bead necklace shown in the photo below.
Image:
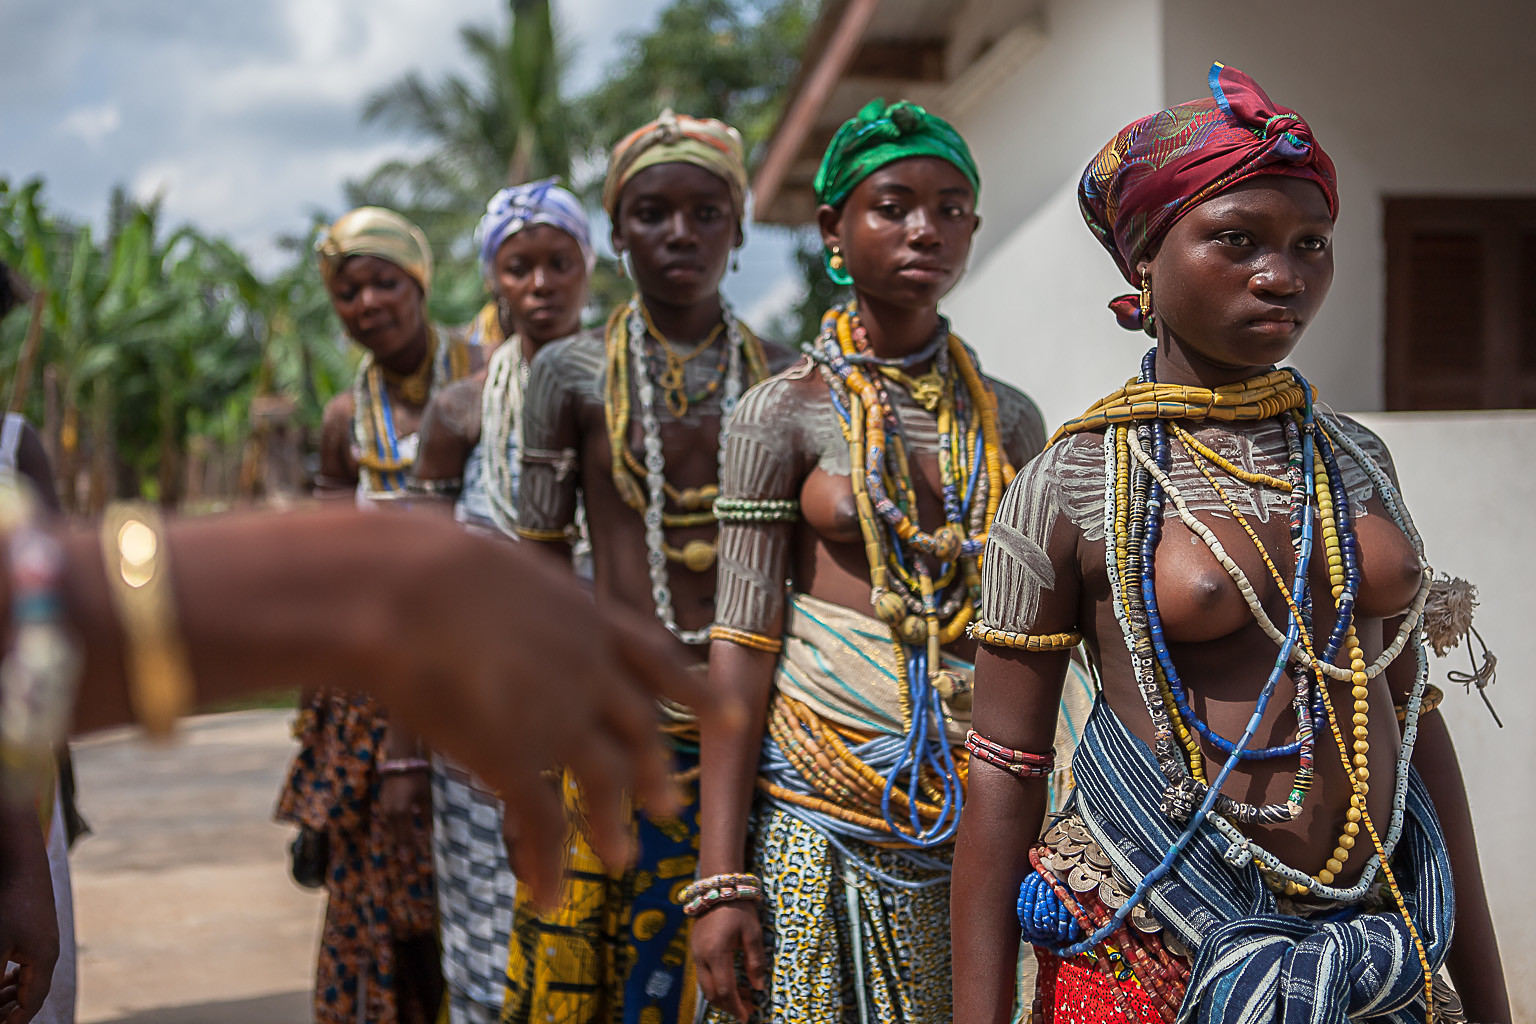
(655, 461)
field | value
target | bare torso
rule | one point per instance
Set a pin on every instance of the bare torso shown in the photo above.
(564, 410)
(1056, 510)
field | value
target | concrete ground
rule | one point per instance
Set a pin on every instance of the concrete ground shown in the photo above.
(184, 909)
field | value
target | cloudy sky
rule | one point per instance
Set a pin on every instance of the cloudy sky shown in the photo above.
(244, 114)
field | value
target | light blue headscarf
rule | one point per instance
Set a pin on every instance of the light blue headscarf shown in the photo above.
(522, 206)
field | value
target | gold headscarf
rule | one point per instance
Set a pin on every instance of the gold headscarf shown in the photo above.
(375, 231)
(679, 139)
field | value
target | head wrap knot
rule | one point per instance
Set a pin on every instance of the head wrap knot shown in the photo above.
(520, 207)
(679, 139)
(375, 231)
(881, 134)
(1159, 168)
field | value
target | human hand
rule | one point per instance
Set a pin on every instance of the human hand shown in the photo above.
(503, 660)
(717, 936)
(29, 925)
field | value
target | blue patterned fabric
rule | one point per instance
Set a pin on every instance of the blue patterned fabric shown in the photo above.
(1252, 963)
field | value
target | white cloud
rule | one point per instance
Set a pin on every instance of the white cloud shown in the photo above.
(245, 116)
(92, 124)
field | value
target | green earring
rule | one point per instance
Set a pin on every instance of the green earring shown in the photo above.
(837, 269)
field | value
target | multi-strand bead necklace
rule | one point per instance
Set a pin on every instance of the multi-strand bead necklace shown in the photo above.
(375, 443)
(628, 328)
(924, 610)
(1140, 423)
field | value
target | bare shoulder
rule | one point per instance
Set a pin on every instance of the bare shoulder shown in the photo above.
(456, 408)
(1361, 475)
(337, 417)
(573, 364)
(337, 470)
(780, 401)
(1065, 480)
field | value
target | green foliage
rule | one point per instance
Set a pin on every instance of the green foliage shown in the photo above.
(730, 59)
(155, 339)
(802, 323)
(500, 124)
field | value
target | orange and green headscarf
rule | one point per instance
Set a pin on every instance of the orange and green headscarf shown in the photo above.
(679, 139)
(881, 134)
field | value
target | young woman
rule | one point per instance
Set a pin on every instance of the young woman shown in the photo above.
(866, 476)
(357, 781)
(632, 418)
(535, 254)
(1248, 840)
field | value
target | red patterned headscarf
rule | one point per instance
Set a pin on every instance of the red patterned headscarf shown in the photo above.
(1159, 168)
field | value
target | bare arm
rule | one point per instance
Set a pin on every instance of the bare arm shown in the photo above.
(337, 477)
(762, 462)
(1030, 584)
(1474, 963)
(458, 636)
(450, 429)
(549, 446)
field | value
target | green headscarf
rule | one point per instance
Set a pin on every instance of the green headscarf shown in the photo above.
(879, 135)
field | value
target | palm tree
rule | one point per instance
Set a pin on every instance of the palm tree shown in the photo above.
(499, 123)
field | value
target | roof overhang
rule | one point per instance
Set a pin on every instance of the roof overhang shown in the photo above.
(944, 56)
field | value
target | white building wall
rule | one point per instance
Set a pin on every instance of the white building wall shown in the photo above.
(1409, 97)
(1475, 514)
(1412, 97)
(1033, 303)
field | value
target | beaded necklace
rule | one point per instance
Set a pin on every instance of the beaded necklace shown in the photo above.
(924, 612)
(501, 406)
(1136, 484)
(626, 350)
(383, 467)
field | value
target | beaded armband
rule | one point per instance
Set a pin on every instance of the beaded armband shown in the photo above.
(746, 638)
(563, 459)
(757, 510)
(995, 637)
(1433, 695)
(709, 893)
(546, 536)
(1015, 762)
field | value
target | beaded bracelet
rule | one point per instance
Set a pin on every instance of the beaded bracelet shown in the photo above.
(42, 667)
(403, 765)
(1433, 695)
(996, 637)
(757, 510)
(709, 893)
(1015, 762)
(746, 638)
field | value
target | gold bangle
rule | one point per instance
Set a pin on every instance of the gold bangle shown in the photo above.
(746, 638)
(138, 577)
(995, 637)
(545, 536)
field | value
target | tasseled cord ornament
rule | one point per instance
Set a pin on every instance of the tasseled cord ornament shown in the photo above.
(1447, 621)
